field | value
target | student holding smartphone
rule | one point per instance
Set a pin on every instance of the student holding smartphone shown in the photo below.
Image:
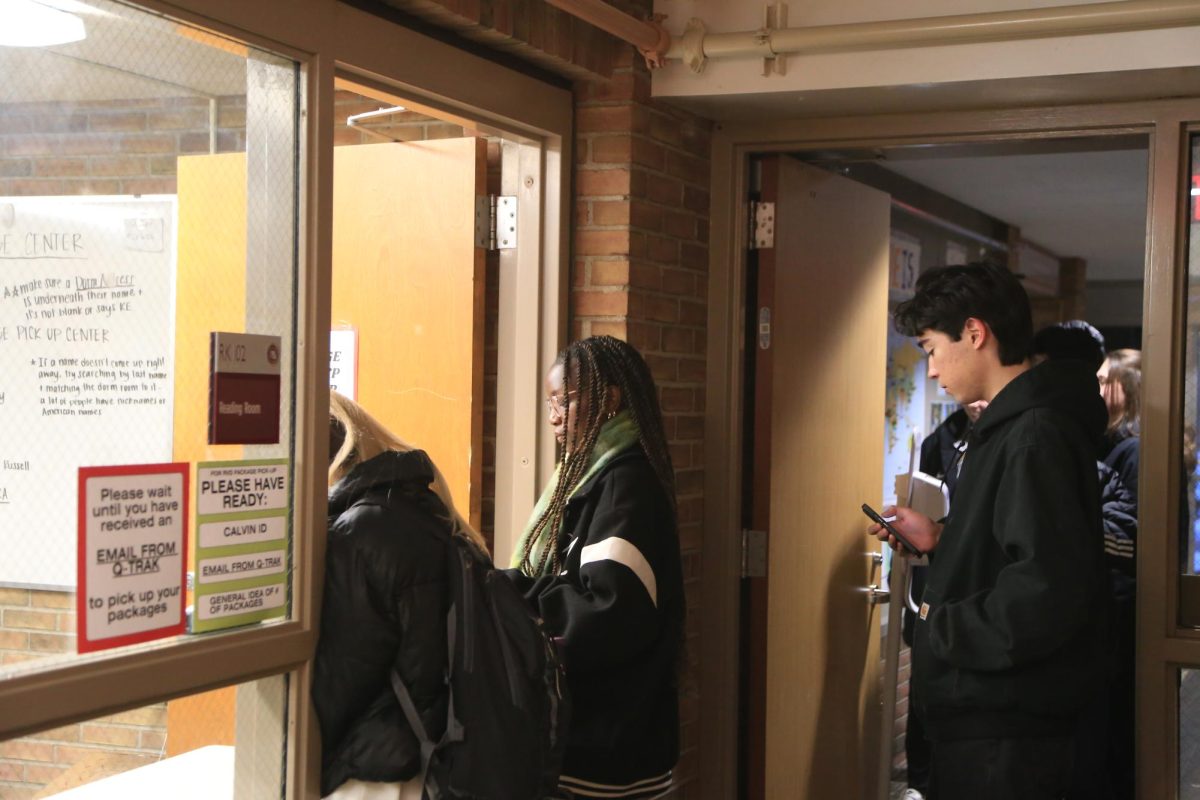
(1009, 641)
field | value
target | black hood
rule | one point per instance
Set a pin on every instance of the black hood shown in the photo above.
(384, 472)
(1066, 385)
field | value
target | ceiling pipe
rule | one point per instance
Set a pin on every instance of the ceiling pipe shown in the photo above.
(697, 45)
(648, 36)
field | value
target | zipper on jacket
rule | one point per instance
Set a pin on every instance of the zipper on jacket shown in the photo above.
(467, 566)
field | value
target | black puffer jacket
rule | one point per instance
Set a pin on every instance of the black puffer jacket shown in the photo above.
(385, 607)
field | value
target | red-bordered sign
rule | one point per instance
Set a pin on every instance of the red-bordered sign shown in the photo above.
(132, 557)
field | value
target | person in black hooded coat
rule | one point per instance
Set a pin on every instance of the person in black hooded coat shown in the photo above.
(1009, 642)
(384, 608)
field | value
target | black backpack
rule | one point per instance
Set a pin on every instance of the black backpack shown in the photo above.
(506, 719)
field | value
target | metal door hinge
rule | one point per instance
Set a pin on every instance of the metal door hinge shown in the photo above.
(762, 225)
(496, 222)
(754, 554)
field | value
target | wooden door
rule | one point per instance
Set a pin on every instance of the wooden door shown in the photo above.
(408, 278)
(827, 380)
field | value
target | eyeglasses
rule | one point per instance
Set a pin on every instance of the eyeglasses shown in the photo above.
(554, 403)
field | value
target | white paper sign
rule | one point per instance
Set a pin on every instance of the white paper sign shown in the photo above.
(250, 565)
(240, 601)
(132, 552)
(241, 487)
(343, 362)
(242, 531)
(87, 347)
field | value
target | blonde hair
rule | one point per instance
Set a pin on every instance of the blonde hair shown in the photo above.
(365, 438)
(1124, 386)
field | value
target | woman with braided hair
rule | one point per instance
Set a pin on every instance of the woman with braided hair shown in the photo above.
(599, 562)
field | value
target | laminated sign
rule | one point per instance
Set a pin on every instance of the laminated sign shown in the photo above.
(244, 391)
(132, 554)
(241, 542)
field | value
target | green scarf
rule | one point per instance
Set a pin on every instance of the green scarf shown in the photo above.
(616, 436)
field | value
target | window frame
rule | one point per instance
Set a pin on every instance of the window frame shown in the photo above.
(331, 40)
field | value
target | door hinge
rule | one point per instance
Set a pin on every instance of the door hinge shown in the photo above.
(754, 554)
(762, 225)
(495, 222)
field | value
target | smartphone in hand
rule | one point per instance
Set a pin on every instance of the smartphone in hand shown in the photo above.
(900, 537)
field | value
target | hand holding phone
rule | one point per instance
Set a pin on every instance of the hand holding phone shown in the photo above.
(900, 537)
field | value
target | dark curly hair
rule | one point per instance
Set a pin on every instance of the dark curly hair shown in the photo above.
(946, 297)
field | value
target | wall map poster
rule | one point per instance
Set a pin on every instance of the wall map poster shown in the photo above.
(132, 554)
(87, 310)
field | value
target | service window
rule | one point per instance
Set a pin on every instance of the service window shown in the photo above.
(147, 300)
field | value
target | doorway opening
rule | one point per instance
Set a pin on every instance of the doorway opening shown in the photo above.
(1069, 215)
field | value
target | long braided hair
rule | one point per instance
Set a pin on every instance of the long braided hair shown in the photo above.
(590, 367)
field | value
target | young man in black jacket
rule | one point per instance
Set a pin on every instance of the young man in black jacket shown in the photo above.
(1009, 639)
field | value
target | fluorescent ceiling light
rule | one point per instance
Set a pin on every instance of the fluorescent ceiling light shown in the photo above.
(26, 23)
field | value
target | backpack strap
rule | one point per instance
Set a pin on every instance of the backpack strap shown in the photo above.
(454, 729)
(414, 722)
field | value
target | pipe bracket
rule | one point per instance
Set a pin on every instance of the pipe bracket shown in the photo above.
(775, 18)
(656, 56)
(692, 45)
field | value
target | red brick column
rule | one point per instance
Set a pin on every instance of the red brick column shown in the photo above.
(639, 272)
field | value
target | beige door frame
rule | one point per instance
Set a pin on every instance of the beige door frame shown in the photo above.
(1162, 645)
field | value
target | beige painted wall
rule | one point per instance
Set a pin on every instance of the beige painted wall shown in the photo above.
(994, 60)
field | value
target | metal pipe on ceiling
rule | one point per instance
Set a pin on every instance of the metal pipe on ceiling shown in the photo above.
(697, 45)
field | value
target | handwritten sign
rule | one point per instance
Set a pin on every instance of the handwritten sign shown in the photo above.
(87, 309)
(132, 554)
(241, 553)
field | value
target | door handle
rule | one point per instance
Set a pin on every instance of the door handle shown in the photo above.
(875, 595)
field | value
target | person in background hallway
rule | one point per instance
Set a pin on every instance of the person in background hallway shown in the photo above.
(385, 604)
(1121, 387)
(600, 563)
(1104, 742)
(1008, 646)
(941, 457)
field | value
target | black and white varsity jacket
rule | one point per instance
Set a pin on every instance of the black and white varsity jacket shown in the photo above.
(618, 608)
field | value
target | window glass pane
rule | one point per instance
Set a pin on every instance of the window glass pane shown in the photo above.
(1189, 734)
(148, 200)
(189, 747)
(1189, 550)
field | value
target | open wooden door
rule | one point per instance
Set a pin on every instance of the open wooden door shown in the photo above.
(409, 279)
(826, 359)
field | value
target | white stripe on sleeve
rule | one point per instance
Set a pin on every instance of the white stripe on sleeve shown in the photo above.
(626, 553)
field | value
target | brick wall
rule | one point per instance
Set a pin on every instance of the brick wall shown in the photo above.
(106, 147)
(35, 624)
(640, 273)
